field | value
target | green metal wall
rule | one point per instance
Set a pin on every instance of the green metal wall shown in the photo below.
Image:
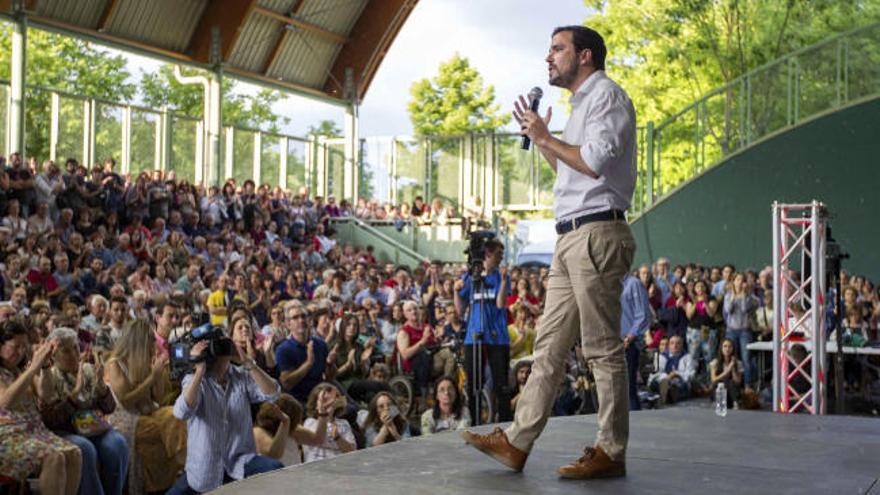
(724, 214)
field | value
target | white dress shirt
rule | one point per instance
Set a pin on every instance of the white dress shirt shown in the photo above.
(603, 124)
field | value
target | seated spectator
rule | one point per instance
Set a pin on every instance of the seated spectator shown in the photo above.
(302, 359)
(137, 376)
(449, 411)
(523, 295)
(40, 223)
(75, 400)
(27, 447)
(14, 221)
(521, 372)
(363, 391)
(701, 311)
(677, 368)
(352, 352)
(275, 427)
(215, 403)
(413, 341)
(339, 437)
(727, 369)
(384, 423)
(522, 332)
(374, 292)
(243, 337)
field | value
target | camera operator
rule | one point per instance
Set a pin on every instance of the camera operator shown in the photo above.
(215, 403)
(487, 323)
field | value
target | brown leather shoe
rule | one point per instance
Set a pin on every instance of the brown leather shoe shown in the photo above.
(496, 446)
(595, 463)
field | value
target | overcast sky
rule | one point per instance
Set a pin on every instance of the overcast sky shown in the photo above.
(506, 40)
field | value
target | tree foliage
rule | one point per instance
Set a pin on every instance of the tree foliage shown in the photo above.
(668, 53)
(325, 128)
(239, 109)
(454, 102)
(69, 65)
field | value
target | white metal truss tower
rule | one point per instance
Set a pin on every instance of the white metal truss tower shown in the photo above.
(799, 364)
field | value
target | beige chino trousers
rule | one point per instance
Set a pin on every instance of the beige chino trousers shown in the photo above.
(583, 297)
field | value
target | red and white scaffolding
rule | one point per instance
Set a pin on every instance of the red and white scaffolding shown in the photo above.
(799, 364)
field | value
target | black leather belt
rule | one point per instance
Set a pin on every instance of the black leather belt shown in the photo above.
(601, 216)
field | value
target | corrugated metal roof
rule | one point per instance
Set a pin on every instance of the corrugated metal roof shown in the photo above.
(303, 58)
(81, 13)
(282, 6)
(334, 15)
(255, 42)
(165, 23)
(178, 30)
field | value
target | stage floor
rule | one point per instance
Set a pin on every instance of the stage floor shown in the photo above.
(676, 451)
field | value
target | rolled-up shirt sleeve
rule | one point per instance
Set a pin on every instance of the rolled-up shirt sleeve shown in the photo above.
(182, 410)
(607, 123)
(255, 395)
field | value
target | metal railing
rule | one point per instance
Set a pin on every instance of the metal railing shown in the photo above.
(801, 85)
(356, 231)
(139, 138)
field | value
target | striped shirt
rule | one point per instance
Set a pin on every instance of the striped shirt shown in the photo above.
(219, 427)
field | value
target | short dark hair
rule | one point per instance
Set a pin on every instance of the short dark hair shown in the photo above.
(493, 244)
(585, 38)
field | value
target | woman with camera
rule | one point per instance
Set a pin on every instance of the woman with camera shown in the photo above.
(76, 399)
(384, 423)
(215, 403)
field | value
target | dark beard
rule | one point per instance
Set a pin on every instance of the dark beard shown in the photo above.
(564, 79)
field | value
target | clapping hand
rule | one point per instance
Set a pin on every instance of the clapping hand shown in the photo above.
(42, 354)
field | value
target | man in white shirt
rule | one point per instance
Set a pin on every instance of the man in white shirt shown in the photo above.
(595, 162)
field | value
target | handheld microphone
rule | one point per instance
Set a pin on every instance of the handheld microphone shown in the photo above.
(534, 100)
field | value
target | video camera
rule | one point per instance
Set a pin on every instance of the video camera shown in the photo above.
(476, 250)
(218, 345)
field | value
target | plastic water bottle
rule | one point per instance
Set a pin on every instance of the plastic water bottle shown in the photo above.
(721, 400)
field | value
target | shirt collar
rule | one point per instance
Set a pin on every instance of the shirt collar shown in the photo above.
(586, 86)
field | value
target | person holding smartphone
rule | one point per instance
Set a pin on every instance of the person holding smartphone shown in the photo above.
(384, 423)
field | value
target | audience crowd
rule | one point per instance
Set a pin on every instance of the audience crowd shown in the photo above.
(105, 278)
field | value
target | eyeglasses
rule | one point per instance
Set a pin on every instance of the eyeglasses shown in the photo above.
(297, 317)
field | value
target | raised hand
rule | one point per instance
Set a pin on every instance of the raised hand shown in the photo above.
(530, 123)
(310, 352)
(43, 353)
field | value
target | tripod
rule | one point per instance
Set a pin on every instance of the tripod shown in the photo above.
(477, 383)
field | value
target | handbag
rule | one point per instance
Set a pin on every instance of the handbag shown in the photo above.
(89, 423)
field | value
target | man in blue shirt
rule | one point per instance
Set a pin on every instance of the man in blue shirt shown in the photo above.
(487, 324)
(374, 292)
(635, 319)
(301, 359)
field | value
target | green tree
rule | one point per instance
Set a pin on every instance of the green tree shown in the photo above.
(668, 53)
(325, 128)
(454, 102)
(69, 65)
(239, 109)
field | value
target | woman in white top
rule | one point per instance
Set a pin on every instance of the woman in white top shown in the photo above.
(279, 433)
(449, 411)
(13, 220)
(339, 438)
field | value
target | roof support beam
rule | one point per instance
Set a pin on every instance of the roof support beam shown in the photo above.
(106, 14)
(305, 26)
(370, 38)
(282, 37)
(227, 15)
